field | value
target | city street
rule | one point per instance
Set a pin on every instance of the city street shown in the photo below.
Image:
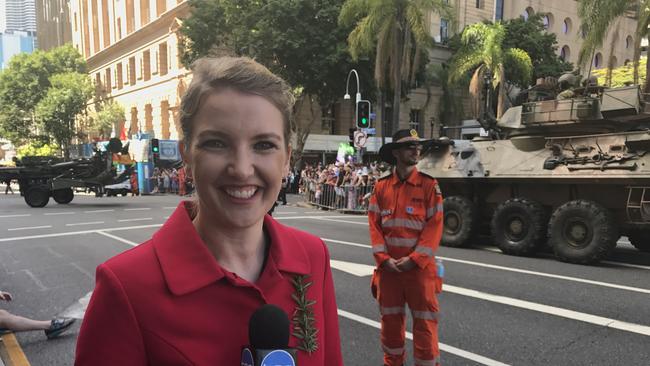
(495, 309)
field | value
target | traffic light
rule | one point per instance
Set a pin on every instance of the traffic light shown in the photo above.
(351, 135)
(363, 114)
(155, 151)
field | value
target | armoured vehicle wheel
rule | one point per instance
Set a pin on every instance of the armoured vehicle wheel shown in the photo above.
(37, 196)
(640, 239)
(582, 232)
(63, 196)
(460, 221)
(519, 226)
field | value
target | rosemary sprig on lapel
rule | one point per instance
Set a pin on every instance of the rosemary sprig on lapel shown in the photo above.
(303, 315)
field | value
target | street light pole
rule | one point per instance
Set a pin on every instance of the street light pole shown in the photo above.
(358, 99)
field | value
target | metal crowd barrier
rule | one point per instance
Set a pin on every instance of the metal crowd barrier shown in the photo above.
(352, 199)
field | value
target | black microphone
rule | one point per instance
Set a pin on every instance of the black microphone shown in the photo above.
(268, 335)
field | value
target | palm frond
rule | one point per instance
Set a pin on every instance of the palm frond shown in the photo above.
(596, 16)
(522, 64)
(361, 39)
(475, 87)
(352, 10)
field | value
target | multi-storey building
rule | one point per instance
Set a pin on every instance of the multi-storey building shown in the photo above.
(560, 18)
(17, 15)
(53, 27)
(131, 47)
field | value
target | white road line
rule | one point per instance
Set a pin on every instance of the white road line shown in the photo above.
(307, 217)
(31, 227)
(626, 265)
(85, 223)
(140, 219)
(94, 211)
(133, 244)
(541, 274)
(443, 347)
(169, 208)
(347, 243)
(552, 310)
(344, 221)
(285, 212)
(21, 215)
(70, 233)
(59, 213)
(138, 209)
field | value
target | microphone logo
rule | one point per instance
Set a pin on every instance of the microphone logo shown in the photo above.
(247, 358)
(278, 358)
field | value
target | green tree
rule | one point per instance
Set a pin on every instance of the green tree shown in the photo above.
(108, 118)
(65, 99)
(25, 82)
(300, 40)
(531, 36)
(481, 51)
(623, 75)
(597, 18)
(37, 148)
(397, 33)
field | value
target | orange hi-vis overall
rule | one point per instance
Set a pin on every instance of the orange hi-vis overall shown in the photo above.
(406, 219)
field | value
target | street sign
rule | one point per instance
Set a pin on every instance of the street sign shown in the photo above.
(360, 138)
(369, 131)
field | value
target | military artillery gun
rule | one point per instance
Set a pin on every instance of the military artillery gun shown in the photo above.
(572, 174)
(40, 178)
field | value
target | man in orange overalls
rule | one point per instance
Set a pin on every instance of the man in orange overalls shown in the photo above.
(405, 215)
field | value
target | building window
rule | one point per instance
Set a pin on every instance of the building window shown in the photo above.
(161, 6)
(75, 22)
(119, 28)
(444, 30)
(548, 21)
(527, 13)
(144, 12)
(566, 26)
(565, 53)
(162, 58)
(132, 70)
(119, 76)
(146, 65)
(598, 60)
(415, 121)
(98, 81)
(107, 76)
(498, 15)
(479, 4)
(130, 16)
(629, 42)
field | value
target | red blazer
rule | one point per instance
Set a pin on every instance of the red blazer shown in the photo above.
(168, 302)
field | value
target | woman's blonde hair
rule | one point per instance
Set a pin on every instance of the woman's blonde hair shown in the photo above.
(241, 74)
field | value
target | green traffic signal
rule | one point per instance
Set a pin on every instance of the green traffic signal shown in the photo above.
(363, 114)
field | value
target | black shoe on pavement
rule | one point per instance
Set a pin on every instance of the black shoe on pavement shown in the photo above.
(58, 326)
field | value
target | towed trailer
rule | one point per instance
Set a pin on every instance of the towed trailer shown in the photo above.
(40, 178)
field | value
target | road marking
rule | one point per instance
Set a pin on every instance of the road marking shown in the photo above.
(170, 208)
(21, 215)
(344, 221)
(443, 347)
(70, 233)
(94, 211)
(30, 227)
(85, 223)
(621, 264)
(138, 209)
(285, 212)
(541, 274)
(552, 310)
(59, 213)
(308, 217)
(129, 242)
(13, 350)
(347, 243)
(38, 282)
(140, 219)
(78, 309)
(357, 269)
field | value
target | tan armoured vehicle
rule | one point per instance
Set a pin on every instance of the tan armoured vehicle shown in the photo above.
(573, 174)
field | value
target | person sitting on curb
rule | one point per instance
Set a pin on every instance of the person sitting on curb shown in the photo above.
(14, 323)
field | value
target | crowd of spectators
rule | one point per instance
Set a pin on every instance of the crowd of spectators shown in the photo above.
(340, 185)
(171, 180)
